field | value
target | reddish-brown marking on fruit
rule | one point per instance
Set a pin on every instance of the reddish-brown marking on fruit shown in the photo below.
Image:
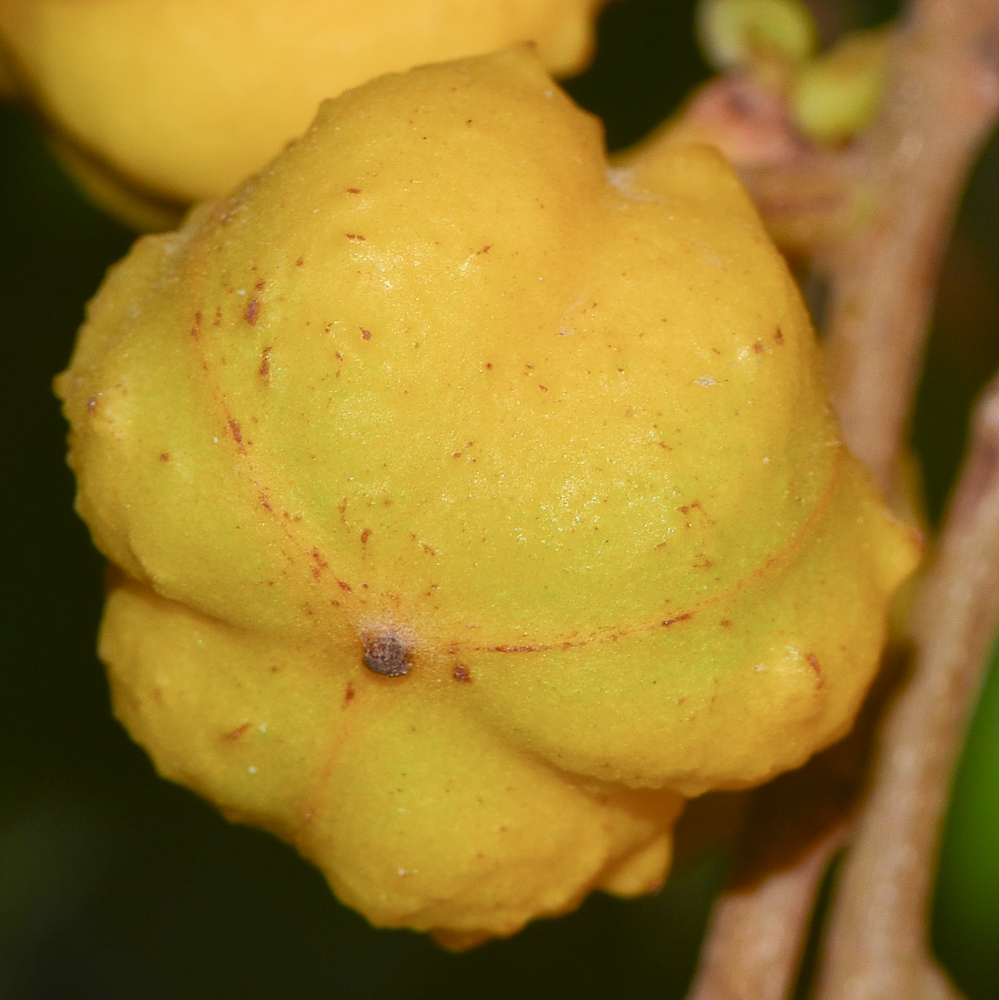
(237, 434)
(357, 237)
(300, 262)
(489, 364)
(319, 559)
(348, 695)
(366, 334)
(365, 535)
(91, 404)
(218, 317)
(517, 649)
(673, 621)
(813, 662)
(779, 336)
(236, 733)
(758, 347)
(725, 623)
(386, 654)
(252, 311)
(696, 505)
(460, 672)
(543, 388)
(344, 586)
(265, 364)
(353, 190)
(165, 456)
(485, 249)
(426, 548)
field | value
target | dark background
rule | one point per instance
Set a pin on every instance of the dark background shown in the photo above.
(115, 884)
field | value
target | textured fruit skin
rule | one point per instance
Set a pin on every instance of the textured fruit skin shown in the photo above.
(181, 99)
(439, 391)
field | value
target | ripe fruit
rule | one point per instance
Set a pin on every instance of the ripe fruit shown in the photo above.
(157, 103)
(473, 502)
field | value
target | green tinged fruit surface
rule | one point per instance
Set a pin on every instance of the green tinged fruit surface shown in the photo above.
(473, 502)
(836, 96)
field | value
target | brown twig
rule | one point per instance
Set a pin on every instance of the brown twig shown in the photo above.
(763, 930)
(942, 99)
(756, 931)
(877, 947)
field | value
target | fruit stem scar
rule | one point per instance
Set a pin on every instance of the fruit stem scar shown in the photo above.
(386, 654)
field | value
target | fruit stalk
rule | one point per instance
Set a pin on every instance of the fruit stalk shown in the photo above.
(877, 944)
(755, 936)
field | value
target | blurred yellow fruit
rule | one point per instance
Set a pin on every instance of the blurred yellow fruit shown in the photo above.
(732, 33)
(473, 502)
(159, 103)
(837, 95)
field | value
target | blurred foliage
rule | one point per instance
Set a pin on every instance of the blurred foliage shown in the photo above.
(115, 885)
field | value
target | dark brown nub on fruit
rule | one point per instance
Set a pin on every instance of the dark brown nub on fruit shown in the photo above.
(386, 655)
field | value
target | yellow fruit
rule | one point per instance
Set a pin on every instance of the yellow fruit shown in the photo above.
(473, 502)
(158, 103)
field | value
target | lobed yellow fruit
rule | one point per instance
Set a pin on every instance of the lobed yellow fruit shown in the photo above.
(473, 502)
(158, 103)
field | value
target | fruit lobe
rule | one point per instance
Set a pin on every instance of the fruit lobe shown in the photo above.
(473, 501)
